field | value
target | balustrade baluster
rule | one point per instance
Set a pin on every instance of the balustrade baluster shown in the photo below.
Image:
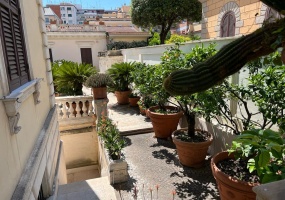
(78, 109)
(84, 108)
(65, 112)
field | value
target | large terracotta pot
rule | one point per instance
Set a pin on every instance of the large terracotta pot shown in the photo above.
(192, 154)
(100, 93)
(164, 124)
(230, 187)
(123, 96)
(134, 101)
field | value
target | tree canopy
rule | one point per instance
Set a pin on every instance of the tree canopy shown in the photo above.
(150, 13)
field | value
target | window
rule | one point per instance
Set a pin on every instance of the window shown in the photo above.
(62, 8)
(63, 15)
(68, 8)
(228, 25)
(47, 20)
(14, 52)
(69, 15)
(86, 55)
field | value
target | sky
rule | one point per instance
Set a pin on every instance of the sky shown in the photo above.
(105, 4)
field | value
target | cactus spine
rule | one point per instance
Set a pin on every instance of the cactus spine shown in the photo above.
(229, 60)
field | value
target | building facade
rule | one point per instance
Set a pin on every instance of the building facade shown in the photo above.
(30, 149)
(225, 18)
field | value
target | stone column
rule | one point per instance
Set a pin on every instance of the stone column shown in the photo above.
(100, 107)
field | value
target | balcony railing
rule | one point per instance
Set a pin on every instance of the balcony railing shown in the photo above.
(75, 112)
(74, 28)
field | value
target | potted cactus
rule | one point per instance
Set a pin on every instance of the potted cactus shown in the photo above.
(99, 82)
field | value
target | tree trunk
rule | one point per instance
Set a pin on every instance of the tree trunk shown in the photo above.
(191, 124)
(162, 35)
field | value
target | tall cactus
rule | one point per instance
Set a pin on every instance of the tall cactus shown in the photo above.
(229, 60)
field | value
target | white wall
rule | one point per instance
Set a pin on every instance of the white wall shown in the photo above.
(152, 54)
(67, 45)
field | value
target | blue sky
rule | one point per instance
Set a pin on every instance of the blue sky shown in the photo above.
(105, 4)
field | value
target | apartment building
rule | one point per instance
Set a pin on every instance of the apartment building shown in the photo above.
(223, 18)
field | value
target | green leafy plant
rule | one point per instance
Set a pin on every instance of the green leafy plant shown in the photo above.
(264, 152)
(98, 80)
(154, 40)
(177, 39)
(121, 75)
(134, 95)
(69, 76)
(111, 137)
(126, 45)
(265, 83)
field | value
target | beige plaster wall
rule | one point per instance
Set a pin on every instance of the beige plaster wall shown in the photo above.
(67, 45)
(247, 16)
(15, 149)
(106, 62)
(81, 149)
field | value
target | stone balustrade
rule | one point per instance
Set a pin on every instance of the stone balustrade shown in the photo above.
(75, 112)
(74, 28)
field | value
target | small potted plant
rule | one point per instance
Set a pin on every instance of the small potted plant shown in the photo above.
(121, 75)
(145, 103)
(99, 82)
(255, 157)
(133, 99)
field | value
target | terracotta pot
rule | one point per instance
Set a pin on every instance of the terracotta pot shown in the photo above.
(164, 124)
(147, 113)
(192, 154)
(230, 187)
(100, 93)
(142, 110)
(123, 96)
(134, 101)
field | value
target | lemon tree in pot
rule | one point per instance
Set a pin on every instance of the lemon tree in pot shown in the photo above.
(191, 143)
(99, 82)
(121, 75)
(257, 154)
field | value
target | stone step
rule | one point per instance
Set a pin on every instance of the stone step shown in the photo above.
(92, 189)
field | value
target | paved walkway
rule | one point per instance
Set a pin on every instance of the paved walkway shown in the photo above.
(154, 162)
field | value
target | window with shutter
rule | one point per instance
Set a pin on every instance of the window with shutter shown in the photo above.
(228, 25)
(12, 37)
(86, 55)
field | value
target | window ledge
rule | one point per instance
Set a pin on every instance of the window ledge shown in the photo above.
(13, 102)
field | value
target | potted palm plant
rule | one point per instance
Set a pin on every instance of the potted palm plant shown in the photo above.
(121, 75)
(70, 76)
(99, 82)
